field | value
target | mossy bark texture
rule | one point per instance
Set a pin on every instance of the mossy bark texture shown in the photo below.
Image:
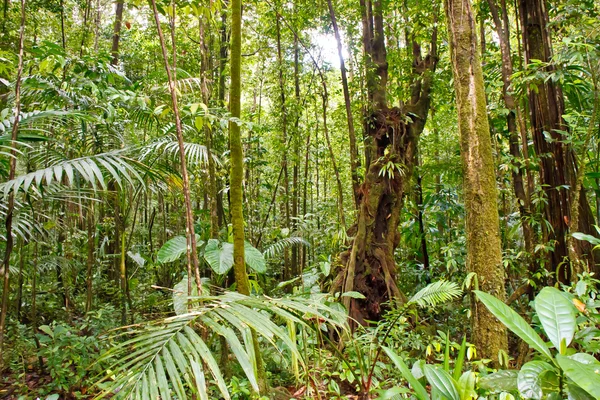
(236, 175)
(391, 136)
(484, 254)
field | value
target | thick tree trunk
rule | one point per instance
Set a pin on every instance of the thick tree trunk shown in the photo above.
(390, 145)
(237, 173)
(523, 197)
(557, 160)
(484, 251)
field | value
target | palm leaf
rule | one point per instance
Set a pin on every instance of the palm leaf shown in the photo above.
(171, 357)
(436, 293)
(283, 244)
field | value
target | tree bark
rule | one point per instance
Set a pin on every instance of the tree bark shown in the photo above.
(114, 51)
(557, 159)
(354, 160)
(237, 173)
(390, 144)
(524, 202)
(484, 251)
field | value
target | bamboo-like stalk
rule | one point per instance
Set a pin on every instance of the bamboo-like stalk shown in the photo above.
(192, 251)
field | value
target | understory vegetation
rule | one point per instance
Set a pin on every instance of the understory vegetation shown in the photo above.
(353, 199)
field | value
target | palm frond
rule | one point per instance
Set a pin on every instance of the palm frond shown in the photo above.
(436, 293)
(195, 154)
(38, 120)
(92, 170)
(279, 246)
(171, 357)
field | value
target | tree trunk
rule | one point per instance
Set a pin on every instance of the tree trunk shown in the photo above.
(284, 142)
(114, 51)
(354, 163)
(524, 202)
(11, 196)
(237, 173)
(484, 251)
(390, 144)
(557, 159)
(192, 251)
(91, 231)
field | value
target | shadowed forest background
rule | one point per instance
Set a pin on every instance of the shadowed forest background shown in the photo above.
(351, 199)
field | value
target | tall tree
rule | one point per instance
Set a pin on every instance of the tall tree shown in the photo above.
(484, 251)
(191, 248)
(5, 267)
(114, 50)
(236, 175)
(557, 159)
(354, 160)
(391, 136)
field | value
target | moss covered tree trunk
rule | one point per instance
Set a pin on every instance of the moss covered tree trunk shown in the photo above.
(391, 136)
(484, 252)
(236, 175)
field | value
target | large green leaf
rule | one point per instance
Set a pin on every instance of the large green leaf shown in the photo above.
(254, 258)
(180, 291)
(531, 379)
(586, 376)
(557, 315)
(466, 386)
(174, 249)
(501, 381)
(420, 391)
(441, 381)
(219, 256)
(514, 322)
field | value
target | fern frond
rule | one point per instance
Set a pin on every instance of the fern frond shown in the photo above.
(436, 293)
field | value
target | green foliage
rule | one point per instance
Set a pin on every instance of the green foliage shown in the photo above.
(539, 378)
(68, 354)
(171, 350)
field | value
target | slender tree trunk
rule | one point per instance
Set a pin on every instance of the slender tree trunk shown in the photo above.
(19, 300)
(354, 160)
(117, 32)
(192, 251)
(223, 54)
(578, 265)
(484, 252)
(91, 231)
(62, 25)
(97, 25)
(284, 141)
(237, 173)
(212, 174)
(86, 13)
(11, 196)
